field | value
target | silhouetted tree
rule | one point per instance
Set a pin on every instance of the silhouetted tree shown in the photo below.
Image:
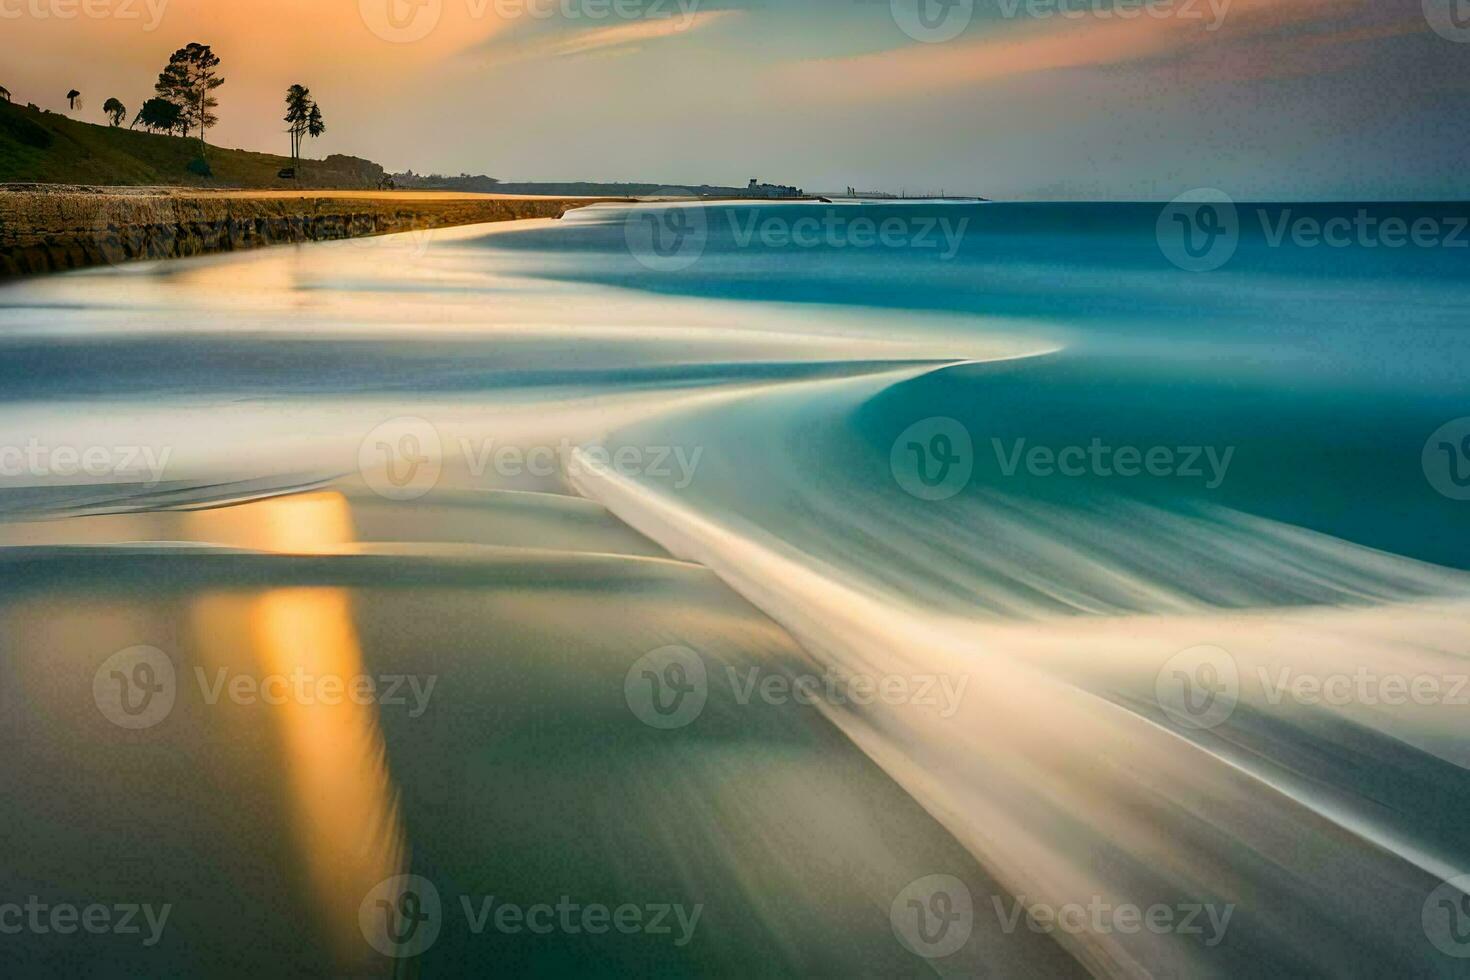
(303, 116)
(298, 110)
(189, 82)
(115, 110)
(74, 98)
(4, 94)
(159, 115)
(314, 125)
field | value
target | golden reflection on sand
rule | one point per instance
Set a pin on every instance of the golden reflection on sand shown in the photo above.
(305, 523)
(302, 646)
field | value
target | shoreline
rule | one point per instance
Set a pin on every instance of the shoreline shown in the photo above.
(48, 228)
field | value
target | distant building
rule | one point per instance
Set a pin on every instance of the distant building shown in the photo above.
(756, 189)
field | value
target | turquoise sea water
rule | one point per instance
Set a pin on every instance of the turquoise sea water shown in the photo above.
(1154, 574)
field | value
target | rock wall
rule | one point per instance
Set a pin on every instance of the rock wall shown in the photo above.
(53, 229)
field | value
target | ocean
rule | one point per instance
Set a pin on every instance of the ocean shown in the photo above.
(865, 588)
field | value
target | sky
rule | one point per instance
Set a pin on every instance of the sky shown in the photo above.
(1009, 99)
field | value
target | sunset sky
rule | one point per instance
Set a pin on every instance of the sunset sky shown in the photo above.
(1261, 98)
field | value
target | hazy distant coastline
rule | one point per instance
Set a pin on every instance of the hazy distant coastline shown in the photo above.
(43, 147)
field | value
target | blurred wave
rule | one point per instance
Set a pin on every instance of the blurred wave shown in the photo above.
(1112, 654)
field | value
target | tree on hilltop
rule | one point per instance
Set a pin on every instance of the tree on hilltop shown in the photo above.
(303, 117)
(189, 81)
(115, 111)
(298, 107)
(160, 116)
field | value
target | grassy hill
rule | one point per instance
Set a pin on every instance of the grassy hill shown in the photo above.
(47, 147)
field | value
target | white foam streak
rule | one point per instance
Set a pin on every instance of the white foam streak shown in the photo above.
(1060, 773)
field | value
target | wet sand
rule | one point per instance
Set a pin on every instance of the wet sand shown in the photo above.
(514, 766)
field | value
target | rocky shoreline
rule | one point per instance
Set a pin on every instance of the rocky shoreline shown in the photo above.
(52, 228)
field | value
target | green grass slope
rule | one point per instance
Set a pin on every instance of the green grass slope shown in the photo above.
(50, 148)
